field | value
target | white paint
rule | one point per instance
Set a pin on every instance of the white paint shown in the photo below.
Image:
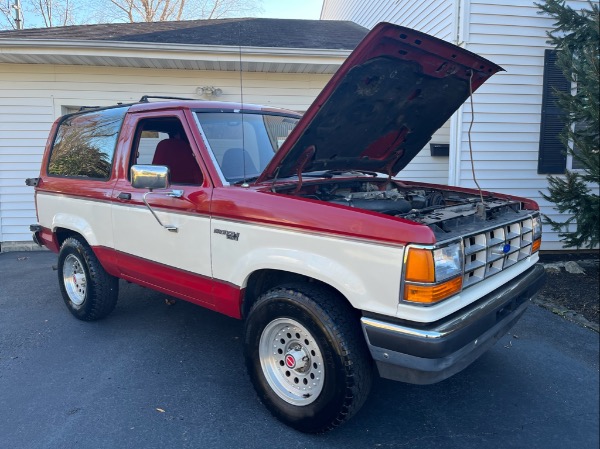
(137, 232)
(91, 219)
(367, 274)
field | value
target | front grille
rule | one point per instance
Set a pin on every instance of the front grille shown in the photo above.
(490, 252)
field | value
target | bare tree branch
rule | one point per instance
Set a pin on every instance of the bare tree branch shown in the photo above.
(165, 10)
(51, 13)
(7, 15)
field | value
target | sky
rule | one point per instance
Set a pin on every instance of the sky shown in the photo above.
(277, 9)
(292, 9)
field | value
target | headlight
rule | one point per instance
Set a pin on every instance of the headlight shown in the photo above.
(432, 275)
(537, 227)
(537, 234)
(448, 262)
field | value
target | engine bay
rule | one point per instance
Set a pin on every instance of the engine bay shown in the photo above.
(448, 213)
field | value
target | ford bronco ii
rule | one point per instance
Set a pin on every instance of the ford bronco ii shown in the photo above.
(299, 225)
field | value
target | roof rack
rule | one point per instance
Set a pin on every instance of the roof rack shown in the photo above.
(145, 98)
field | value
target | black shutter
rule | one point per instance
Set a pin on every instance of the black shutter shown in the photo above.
(552, 157)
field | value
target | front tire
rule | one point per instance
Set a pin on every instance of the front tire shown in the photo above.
(306, 357)
(89, 292)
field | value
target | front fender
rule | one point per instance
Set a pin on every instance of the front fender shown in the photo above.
(318, 267)
(366, 273)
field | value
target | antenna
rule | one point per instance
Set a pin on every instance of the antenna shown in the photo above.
(244, 183)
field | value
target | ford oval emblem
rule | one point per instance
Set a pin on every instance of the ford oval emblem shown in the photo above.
(506, 248)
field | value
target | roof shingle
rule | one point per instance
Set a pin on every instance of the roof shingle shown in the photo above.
(252, 32)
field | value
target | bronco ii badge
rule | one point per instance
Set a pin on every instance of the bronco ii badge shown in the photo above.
(229, 234)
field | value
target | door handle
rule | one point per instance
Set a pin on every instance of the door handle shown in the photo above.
(124, 196)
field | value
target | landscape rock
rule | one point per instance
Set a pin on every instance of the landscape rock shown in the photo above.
(573, 268)
(553, 267)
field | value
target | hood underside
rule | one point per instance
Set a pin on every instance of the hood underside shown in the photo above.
(383, 105)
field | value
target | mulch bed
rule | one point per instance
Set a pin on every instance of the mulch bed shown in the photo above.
(572, 295)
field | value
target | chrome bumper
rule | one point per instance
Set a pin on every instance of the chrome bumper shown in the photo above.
(428, 353)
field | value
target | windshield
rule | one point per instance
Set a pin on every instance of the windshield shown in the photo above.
(244, 143)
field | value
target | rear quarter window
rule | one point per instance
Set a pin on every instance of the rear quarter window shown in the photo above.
(84, 145)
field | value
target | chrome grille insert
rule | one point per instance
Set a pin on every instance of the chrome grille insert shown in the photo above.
(493, 250)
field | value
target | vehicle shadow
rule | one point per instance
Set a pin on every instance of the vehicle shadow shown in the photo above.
(490, 400)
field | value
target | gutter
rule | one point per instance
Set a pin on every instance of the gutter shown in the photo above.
(171, 51)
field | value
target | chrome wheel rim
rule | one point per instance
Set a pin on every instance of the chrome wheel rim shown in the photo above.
(74, 279)
(291, 361)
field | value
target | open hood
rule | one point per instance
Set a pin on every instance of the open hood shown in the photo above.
(382, 106)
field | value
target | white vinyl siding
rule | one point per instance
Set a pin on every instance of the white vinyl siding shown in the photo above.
(33, 96)
(433, 17)
(426, 168)
(24, 126)
(506, 131)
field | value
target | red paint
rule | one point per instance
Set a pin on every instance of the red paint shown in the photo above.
(213, 294)
(436, 58)
(258, 205)
(290, 361)
(48, 239)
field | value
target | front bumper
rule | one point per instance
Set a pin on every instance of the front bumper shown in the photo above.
(428, 353)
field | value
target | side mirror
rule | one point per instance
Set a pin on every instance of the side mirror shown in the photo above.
(150, 177)
(154, 177)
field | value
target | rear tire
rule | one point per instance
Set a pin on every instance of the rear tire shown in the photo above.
(89, 292)
(306, 357)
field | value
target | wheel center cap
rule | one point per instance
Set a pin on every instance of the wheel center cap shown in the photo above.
(296, 359)
(290, 361)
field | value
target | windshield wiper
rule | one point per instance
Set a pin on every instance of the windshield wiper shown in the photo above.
(246, 180)
(351, 172)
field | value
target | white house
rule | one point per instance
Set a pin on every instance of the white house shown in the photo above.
(45, 73)
(508, 121)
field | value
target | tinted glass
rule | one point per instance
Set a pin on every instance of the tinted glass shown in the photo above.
(243, 144)
(85, 144)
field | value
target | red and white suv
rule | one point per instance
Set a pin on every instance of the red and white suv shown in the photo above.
(299, 226)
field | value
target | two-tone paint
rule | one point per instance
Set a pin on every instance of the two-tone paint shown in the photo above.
(357, 252)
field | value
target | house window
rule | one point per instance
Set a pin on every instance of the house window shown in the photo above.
(552, 158)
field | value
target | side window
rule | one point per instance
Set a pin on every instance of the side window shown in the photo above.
(162, 141)
(84, 145)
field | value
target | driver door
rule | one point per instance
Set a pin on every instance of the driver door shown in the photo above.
(176, 262)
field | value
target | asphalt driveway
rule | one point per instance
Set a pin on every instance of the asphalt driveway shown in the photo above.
(159, 376)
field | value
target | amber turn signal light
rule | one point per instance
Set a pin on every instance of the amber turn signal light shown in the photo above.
(536, 246)
(430, 294)
(419, 266)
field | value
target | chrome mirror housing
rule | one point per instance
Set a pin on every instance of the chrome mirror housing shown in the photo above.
(150, 177)
(154, 177)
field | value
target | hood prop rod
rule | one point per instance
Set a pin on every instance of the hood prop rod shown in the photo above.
(306, 156)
